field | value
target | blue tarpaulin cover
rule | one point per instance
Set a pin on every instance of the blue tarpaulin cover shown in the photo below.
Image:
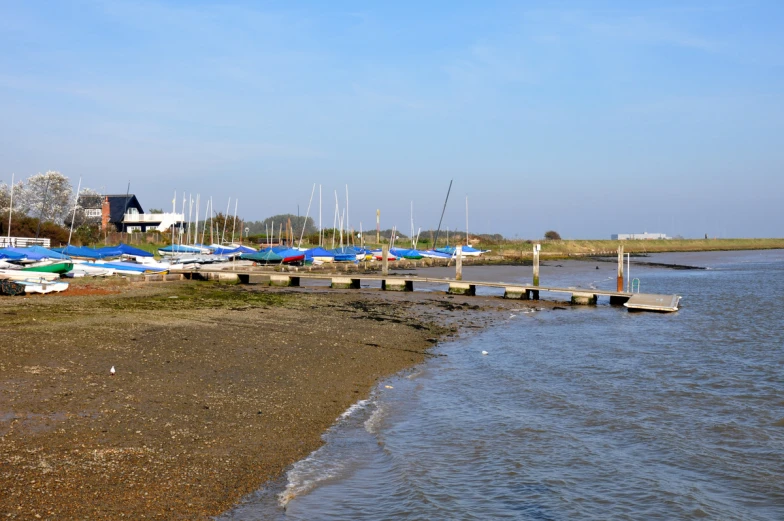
(37, 253)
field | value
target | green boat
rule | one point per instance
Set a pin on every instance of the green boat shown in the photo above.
(51, 267)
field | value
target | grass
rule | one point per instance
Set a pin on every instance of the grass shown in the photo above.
(609, 247)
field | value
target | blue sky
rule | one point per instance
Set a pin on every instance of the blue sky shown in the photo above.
(589, 118)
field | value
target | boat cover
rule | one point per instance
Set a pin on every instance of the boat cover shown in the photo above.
(262, 256)
(37, 253)
(318, 252)
(9, 253)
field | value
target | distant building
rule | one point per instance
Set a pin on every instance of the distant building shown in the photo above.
(639, 236)
(124, 213)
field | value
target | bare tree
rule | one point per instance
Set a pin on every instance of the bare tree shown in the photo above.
(48, 196)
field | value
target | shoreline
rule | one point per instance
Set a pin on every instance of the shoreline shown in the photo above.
(219, 388)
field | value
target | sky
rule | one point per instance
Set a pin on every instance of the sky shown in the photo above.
(585, 117)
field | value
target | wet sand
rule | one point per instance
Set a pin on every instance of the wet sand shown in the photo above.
(218, 387)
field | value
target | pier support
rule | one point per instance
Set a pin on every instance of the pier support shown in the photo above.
(462, 288)
(385, 260)
(397, 285)
(515, 292)
(344, 283)
(459, 263)
(618, 300)
(620, 268)
(584, 299)
(531, 294)
(283, 280)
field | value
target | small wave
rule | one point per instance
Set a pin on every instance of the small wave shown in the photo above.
(306, 474)
(360, 405)
(323, 464)
(373, 423)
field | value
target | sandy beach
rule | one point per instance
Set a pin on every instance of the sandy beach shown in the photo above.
(218, 388)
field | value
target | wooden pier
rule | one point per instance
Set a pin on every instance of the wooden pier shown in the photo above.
(577, 296)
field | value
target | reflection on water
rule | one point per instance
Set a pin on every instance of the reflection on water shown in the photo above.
(584, 413)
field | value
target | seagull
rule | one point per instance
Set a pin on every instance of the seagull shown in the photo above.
(484, 352)
(111, 371)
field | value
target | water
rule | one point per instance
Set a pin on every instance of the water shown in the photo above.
(587, 413)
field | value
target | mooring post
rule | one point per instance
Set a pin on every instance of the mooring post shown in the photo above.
(537, 247)
(459, 263)
(534, 293)
(385, 259)
(620, 268)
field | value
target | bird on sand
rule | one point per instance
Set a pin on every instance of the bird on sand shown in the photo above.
(111, 371)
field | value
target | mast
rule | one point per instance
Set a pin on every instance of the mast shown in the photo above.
(466, 220)
(435, 242)
(225, 220)
(321, 235)
(11, 208)
(196, 224)
(412, 224)
(73, 218)
(234, 224)
(307, 215)
(335, 220)
(206, 215)
(183, 212)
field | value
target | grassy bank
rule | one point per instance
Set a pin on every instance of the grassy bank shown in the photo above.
(600, 247)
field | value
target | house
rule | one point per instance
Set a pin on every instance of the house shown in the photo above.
(639, 236)
(124, 213)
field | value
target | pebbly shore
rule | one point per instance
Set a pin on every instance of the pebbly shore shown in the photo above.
(218, 387)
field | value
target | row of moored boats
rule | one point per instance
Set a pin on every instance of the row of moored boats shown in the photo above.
(35, 269)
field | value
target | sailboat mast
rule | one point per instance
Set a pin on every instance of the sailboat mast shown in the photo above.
(11, 208)
(435, 241)
(73, 218)
(466, 220)
(234, 224)
(307, 214)
(321, 234)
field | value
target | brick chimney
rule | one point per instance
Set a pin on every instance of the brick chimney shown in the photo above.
(105, 213)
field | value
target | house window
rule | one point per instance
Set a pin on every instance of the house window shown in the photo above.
(133, 211)
(92, 212)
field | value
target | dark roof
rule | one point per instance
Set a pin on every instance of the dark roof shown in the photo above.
(119, 204)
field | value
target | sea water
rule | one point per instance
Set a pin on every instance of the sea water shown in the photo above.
(582, 413)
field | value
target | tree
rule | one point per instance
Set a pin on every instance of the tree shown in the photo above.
(88, 198)
(5, 204)
(262, 227)
(552, 235)
(47, 196)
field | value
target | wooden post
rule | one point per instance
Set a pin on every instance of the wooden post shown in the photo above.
(385, 259)
(620, 268)
(537, 247)
(459, 263)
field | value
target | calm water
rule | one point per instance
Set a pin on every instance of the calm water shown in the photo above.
(586, 413)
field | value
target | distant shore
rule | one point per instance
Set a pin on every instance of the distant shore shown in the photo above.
(586, 248)
(218, 387)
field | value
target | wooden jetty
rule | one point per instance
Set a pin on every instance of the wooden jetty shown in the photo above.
(456, 286)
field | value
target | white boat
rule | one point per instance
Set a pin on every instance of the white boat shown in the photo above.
(42, 287)
(17, 275)
(86, 269)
